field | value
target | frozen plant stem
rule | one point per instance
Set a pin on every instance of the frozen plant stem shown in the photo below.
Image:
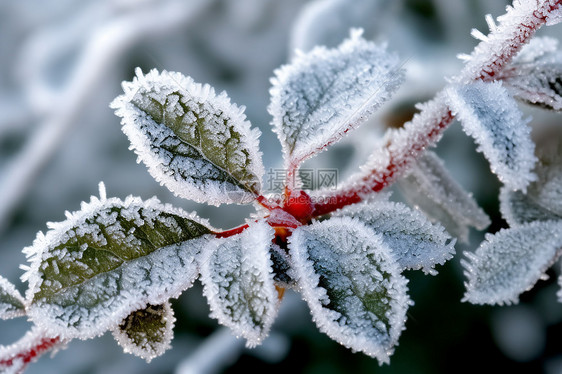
(32, 346)
(403, 146)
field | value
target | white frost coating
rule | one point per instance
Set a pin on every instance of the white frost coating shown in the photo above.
(547, 190)
(535, 74)
(11, 301)
(12, 353)
(414, 241)
(323, 94)
(341, 266)
(155, 340)
(518, 208)
(489, 57)
(511, 262)
(96, 304)
(554, 17)
(430, 187)
(400, 146)
(543, 200)
(102, 191)
(278, 217)
(237, 278)
(537, 48)
(492, 118)
(187, 169)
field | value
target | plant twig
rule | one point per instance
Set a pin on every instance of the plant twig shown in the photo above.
(403, 146)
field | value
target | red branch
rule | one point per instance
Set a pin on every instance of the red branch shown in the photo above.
(231, 232)
(401, 154)
(30, 353)
(396, 165)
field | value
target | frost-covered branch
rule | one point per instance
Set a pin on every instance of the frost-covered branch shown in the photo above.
(403, 146)
(14, 358)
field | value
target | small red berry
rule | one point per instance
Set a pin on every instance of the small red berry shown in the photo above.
(299, 205)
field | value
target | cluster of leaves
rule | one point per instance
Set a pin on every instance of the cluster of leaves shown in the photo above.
(115, 264)
(512, 260)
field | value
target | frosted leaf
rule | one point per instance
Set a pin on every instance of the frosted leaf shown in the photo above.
(193, 141)
(511, 261)
(430, 187)
(237, 278)
(535, 76)
(352, 284)
(518, 208)
(323, 94)
(513, 29)
(547, 190)
(491, 117)
(109, 259)
(11, 302)
(148, 332)
(543, 200)
(537, 49)
(282, 265)
(414, 241)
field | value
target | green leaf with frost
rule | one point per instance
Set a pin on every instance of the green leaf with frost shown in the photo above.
(109, 259)
(352, 284)
(196, 143)
(511, 261)
(237, 278)
(323, 94)
(148, 332)
(11, 302)
(414, 241)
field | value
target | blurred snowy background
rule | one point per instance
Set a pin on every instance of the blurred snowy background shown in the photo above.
(61, 63)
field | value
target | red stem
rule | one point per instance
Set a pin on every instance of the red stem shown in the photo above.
(231, 232)
(400, 159)
(30, 353)
(395, 166)
(266, 203)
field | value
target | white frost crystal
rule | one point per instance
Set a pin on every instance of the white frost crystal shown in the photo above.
(107, 260)
(535, 75)
(323, 94)
(511, 261)
(196, 143)
(11, 302)
(148, 332)
(492, 118)
(352, 284)
(237, 277)
(414, 241)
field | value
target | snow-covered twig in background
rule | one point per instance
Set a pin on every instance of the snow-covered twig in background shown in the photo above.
(106, 45)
